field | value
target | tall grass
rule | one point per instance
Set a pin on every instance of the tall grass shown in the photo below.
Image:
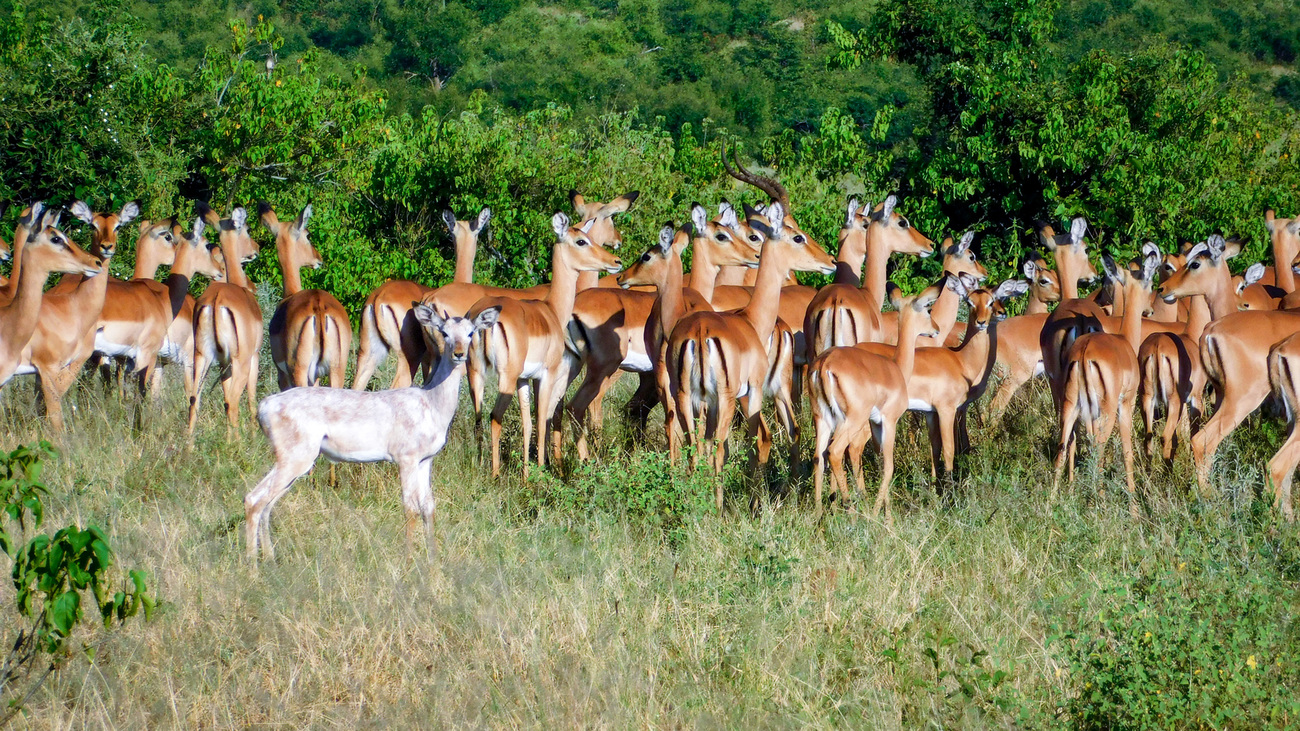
(611, 595)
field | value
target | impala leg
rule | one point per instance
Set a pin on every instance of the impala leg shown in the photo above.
(194, 386)
(498, 415)
(888, 431)
(51, 400)
(947, 419)
(793, 408)
(822, 432)
(1148, 398)
(1065, 453)
(642, 402)
(1126, 445)
(262, 498)
(721, 432)
(1281, 470)
(525, 394)
(1232, 411)
(418, 499)
(1007, 389)
(1175, 418)
(932, 426)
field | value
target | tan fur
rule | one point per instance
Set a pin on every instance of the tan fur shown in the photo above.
(1019, 355)
(228, 323)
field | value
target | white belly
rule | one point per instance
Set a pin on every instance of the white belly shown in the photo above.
(636, 362)
(1038, 369)
(533, 369)
(916, 404)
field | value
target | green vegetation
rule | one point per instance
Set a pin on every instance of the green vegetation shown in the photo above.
(614, 596)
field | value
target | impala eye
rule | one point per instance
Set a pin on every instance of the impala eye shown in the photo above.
(721, 237)
(799, 239)
(581, 242)
(1195, 265)
(902, 223)
(645, 257)
(753, 237)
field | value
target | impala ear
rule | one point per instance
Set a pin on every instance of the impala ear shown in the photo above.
(894, 294)
(728, 217)
(887, 208)
(82, 212)
(723, 205)
(666, 239)
(620, 204)
(925, 300)
(1268, 220)
(775, 216)
(1112, 269)
(52, 218)
(1010, 288)
(303, 218)
(577, 201)
(961, 284)
(587, 225)
(128, 213)
(481, 223)
(487, 318)
(1294, 226)
(700, 218)
(34, 213)
(1217, 247)
(239, 217)
(196, 234)
(1029, 269)
(427, 316)
(1150, 249)
(1150, 263)
(1254, 273)
(1078, 229)
(851, 214)
(449, 220)
(560, 224)
(1231, 249)
(964, 244)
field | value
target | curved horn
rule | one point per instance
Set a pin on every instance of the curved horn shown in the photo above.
(774, 190)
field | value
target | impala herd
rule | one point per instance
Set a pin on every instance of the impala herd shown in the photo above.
(737, 330)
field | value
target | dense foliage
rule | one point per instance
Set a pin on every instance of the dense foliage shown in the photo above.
(982, 114)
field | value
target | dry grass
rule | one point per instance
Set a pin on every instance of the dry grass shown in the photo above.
(542, 616)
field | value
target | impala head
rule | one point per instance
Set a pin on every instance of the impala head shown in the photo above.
(575, 249)
(725, 246)
(739, 226)
(51, 250)
(987, 306)
(1134, 279)
(231, 232)
(193, 252)
(898, 234)
(797, 249)
(104, 226)
(455, 333)
(1070, 250)
(1205, 270)
(1044, 283)
(291, 242)
(1250, 277)
(156, 241)
(465, 233)
(652, 267)
(916, 307)
(603, 232)
(1284, 234)
(959, 258)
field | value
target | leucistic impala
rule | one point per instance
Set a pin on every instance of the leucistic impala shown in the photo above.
(407, 426)
(857, 396)
(528, 341)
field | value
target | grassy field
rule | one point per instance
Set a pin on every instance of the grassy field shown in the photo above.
(616, 597)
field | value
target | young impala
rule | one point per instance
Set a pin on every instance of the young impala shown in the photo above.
(408, 426)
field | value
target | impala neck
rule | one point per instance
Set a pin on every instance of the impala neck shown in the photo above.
(1036, 307)
(765, 300)
(944, 312)
(235, 269)
(1220, 296)
(1283, 255)
(671, 305)
(26, 305)
(564, 289)
(1069, 275)
(735, 276)
(909, 328)
(851, 256)
(292, 273)
(704, 272)
(1131, 327)
(586, 280)
(877, 259)
(147, 261)
(15, 272)
(465, 253)
(978, 351)
(1162, 311)
(1198, 316)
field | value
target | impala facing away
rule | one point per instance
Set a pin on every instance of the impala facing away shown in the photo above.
(1102, 377)
(857, 396)
(228, 320)
(407, 426)
(717, 358)
(387, 323)
(310, 331)
(1018, 350)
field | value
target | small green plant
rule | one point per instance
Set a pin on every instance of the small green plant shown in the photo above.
(1200, 642)
(50, 575)
(954, 677)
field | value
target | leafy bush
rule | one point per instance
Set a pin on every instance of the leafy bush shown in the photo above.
(1207, 639)
(50, 575)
